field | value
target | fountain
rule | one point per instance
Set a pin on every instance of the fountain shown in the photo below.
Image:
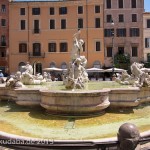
(83, 109)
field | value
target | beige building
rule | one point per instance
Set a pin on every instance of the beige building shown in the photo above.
(146, 36)
(42, 32)
(123, 23)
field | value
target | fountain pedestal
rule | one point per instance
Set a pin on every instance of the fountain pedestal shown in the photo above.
(75, 103)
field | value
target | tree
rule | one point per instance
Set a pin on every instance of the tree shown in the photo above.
(122, 61)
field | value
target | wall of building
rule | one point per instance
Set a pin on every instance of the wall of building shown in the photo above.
(89, 33)
(146, 34)
(127, 42)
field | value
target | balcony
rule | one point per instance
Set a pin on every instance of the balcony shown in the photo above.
(3, 44)
(36, 55)
(36, 31)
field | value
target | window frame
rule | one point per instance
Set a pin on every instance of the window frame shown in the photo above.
(63, 45)
(97, 46)
(97, 9)
(52, 24)
(22, 11)
(23, 24)
(80, 23)
(63, 10)
(36, 11)
(97, 23)
(80, 9)
(52, 47)
(21, 49)
(52, 11)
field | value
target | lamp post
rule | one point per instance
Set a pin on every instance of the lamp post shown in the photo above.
(113, 35)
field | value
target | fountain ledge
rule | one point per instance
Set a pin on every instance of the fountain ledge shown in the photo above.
(77, 101)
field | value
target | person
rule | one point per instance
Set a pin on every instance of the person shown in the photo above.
(1, 77)
(1, 74)
(77, 46)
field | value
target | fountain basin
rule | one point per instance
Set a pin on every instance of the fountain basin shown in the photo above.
(28, 97)
(75, 102)
(124, 97)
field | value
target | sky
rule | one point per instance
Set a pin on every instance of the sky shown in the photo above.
(147, 5)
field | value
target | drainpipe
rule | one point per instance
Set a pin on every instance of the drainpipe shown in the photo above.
(28, 31)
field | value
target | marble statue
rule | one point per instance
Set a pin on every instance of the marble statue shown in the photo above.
(28, 68)
(77, 46)
(15, 81)
(76, 75)
(26, 78)
(138, 77)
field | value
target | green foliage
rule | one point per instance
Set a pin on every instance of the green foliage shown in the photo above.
(122, 61)
(147, 64)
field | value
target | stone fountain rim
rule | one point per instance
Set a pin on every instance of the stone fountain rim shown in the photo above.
(5, 135)
(74, 91)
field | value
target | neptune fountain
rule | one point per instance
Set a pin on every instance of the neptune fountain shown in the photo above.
(89, 113)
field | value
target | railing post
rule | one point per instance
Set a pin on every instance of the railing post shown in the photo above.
(128, 137)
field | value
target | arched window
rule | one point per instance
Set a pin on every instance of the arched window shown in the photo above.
(97, 64)
(52, 64)
(63, 65)
(20, 66)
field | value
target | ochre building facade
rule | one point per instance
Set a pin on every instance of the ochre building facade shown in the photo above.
(42, 33)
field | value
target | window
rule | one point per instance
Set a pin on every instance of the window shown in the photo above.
(80, 9)
(83, 47)
(80, 23)
(22, 48)
(22, 11)
(3, 22)
(63, 47)
(109, 18)
(52, 64)
(3, 40)
(121, 18)
(3, 54)
(35, 11)
(63, 65)
(63, 10)
(109, 51)
(98, 46)
(36, 49)
(3, 8)
(97, 9)
(108, 4)
(63, 23)
(134, 32)
(148, 23)
(121, 50)
(52, 47)
(133, 3)
(52, 24)
(121, 32)
(148, 57)
(108, 32)
(147, 42)
(23, 24)
(120, 3)
(134, 51)
(36, 26)
(51, 11)
(97, 22)
(134, 17)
